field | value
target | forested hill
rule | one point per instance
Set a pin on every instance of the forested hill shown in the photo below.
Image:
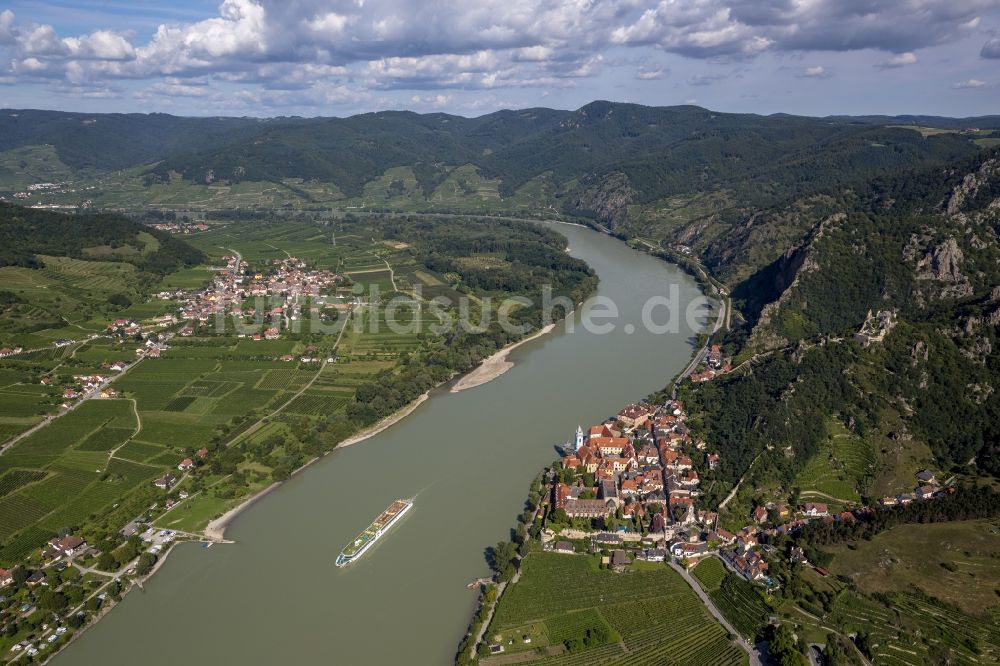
(26, 233)
(660, 152)
(922, 247)
(115, 140)
(596, 160)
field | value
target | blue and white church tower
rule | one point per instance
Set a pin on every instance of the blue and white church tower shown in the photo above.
(579, 438)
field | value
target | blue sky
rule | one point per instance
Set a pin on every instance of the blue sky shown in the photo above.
(338, 57)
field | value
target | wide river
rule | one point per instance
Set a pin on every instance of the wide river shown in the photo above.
(274, 597)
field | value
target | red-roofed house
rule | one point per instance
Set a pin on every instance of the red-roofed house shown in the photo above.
(634, 416)
(69, 545)
(816, 510)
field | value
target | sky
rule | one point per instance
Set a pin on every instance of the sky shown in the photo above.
(470, 57)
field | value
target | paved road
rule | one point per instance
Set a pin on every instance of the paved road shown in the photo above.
(751, 652)
(698, 357)
(63, 412)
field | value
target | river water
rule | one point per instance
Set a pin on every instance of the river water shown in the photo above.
(275, 597)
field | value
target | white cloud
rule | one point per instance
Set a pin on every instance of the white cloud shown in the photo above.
(970, 84)
(817, 72)
(100, 45)
(651, 72)
(434, 101)
(901, 60)
(279, 51)
(742, 28)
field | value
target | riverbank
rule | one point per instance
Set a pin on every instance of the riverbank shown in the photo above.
(216, 528)
(497, 364)
(490, 369)
(385, 423)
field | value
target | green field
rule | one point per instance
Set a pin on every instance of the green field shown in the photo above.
(656, 614)
(710, 572)
(843, 469)
(61, 475)
(953, 561)
(736, 598)
(905, 629)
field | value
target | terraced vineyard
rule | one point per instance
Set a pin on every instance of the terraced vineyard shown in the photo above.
(658, 616)
(741, 603)
(906, 629)
(843, 468)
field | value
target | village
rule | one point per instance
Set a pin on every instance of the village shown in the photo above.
(629, 488)
(279, 296)
(285, 288)
(77, 578)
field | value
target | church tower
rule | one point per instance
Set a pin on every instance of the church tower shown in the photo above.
(579, 438)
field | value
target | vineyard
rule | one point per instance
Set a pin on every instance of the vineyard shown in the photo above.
(312, 404)
(17, 478)
(658, 617)
(906, 629)
(574, 625)
(843, 467)
(61, 475)
(741, 603)
(710, 572)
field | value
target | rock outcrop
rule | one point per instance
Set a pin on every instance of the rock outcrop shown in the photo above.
(605, 197)
(943, 264)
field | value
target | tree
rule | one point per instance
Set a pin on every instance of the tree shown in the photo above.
(145, 563)
(501, 559)
(833, 652)
(782, 647)
(53, 601)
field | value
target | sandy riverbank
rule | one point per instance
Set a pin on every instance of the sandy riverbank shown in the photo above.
(490, 369)
(495, 365)
(216, 529)
(385, 423)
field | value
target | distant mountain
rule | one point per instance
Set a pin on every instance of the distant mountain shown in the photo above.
(116, 140)
(939, 122)
(661, 151)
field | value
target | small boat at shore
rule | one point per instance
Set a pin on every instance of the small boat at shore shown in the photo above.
(354, 550)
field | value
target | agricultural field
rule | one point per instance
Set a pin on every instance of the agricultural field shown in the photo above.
(954, 561)
(739, 600)
(388, 330)
(908, 629)
(710, 572)
(653, 612)
(842, 470)
(66, 472)
(58, 300)
(25, 165)
(742, 604)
